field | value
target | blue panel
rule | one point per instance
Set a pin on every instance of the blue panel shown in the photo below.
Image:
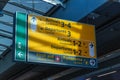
(77, 9)
(64, 60)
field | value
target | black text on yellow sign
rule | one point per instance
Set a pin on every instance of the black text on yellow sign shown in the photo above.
(56, 36)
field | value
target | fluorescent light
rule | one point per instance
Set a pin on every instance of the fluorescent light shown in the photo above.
(54, 2)
(51, 2)
(88, 79)
(106, 73)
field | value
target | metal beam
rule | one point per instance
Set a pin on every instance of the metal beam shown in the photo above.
(8, 13)
(27, 8)
(6, 23)
(6, 36)
(104, 58)
(98, 71)
(63, 73)
(6, 31)
(114, 0)
(54, 8)
(106, 65)
(5, 46)
(5, 52)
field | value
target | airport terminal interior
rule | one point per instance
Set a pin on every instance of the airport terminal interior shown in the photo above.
(51, 32)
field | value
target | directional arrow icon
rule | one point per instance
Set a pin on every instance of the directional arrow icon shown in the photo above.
(20, 54)
(33, 23)
(91, 49)
(92, 62)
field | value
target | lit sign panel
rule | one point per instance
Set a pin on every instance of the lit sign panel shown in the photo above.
(54, 41)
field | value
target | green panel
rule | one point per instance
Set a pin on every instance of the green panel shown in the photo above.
(20, 36)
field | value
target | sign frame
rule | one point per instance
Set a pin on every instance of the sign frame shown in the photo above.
(16, 24)
(50, 63)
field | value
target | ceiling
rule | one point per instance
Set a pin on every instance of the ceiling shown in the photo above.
(8, 9)
(106, 19)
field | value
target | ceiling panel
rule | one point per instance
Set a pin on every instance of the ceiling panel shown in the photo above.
(12, 8)
(6, 21)
(6, 28)
(106, 12)
(37, 4)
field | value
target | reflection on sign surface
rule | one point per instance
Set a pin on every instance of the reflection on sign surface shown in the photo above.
(61, 37)
(63, 42)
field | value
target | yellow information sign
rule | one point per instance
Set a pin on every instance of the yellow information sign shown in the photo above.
(56, 36)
